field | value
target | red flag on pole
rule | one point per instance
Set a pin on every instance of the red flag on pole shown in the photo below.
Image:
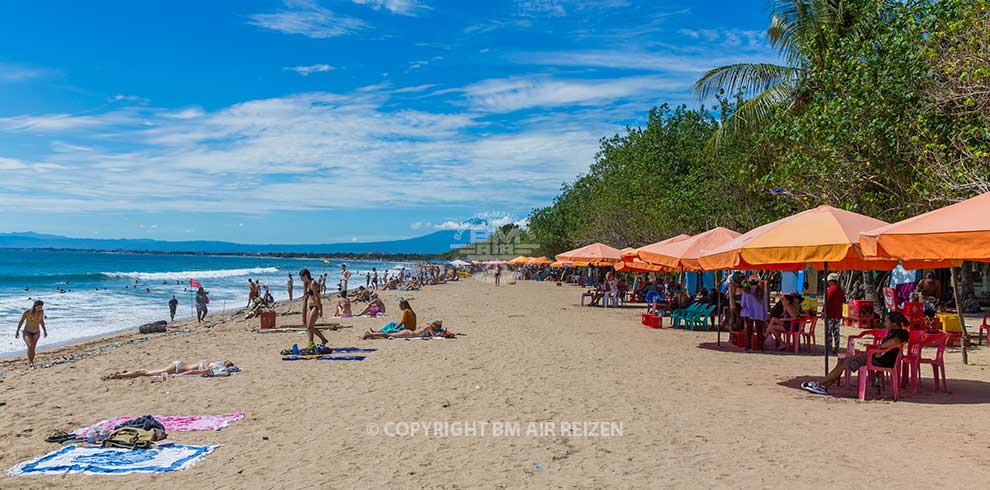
(194, 284)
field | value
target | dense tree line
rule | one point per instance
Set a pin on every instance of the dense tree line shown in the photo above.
(881, 107)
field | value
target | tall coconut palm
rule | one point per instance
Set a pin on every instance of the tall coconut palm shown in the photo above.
(799, 30)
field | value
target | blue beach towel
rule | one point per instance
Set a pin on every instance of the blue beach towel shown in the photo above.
(95, 460)
(351, 350)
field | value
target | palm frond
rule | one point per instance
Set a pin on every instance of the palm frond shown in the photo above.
(748, 78)
(752, 114)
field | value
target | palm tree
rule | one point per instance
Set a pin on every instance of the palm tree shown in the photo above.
(799, 31)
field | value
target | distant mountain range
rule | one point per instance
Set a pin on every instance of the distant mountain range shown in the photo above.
(434, 243)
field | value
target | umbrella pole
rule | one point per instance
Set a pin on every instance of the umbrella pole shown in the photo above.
(825, 316)
(718, 309)
(959, 311)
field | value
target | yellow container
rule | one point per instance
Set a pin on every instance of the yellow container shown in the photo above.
(809, 304)
(950, 322)
(845, 310)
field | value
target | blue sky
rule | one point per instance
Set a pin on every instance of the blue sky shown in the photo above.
(306, 121)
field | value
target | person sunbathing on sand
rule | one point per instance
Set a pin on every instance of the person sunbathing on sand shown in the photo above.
(429, 330)
(343, 306)
(375, 306)
(176, 368)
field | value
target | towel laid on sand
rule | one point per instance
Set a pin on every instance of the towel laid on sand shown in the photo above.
(95, 460)
(417, 338)
(351, 350)
(170, 422)
(323, 358)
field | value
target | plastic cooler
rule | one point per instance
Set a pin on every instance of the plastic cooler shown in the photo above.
(860, 308)
(267, 319)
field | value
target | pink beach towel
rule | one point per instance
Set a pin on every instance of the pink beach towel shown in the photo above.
(171, 423)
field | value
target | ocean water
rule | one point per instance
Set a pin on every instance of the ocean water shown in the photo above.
(94, 293)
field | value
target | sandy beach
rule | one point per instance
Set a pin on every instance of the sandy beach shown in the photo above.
(618, 405)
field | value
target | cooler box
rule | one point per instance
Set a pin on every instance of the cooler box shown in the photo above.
(859, 308)
(809, 304)
(913, 309)
(950, 322)
(267, 319)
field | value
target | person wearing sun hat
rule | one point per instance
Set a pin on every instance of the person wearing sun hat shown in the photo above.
(754, 310)
(836, 298)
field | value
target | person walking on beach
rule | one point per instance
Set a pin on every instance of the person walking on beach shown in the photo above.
(374, 277)
(323, 284)
(289, 287)
(344, 276)
(173, 304)
(202, 299)
(312, 306)
(367, 280)
(32, 319)
(836, 298)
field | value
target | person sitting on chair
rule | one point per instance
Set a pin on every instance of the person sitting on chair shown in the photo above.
(896, 336)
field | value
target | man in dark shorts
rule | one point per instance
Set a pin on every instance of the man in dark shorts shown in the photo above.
(201, 301)
(896, 336)
(173, 304)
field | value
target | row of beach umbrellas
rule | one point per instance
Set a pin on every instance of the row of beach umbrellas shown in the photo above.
(823, 238)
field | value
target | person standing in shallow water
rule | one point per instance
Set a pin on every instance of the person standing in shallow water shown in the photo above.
(289, 287)
(173, 304)
(32, 319)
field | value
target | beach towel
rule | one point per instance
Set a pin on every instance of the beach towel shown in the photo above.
(351, 350)
(417, 338)
(171, 423)
(391, 327)
(323, 358)
(94, 460)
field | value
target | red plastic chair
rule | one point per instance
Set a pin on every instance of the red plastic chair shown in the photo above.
(985, 328)
(893, 372)
(877, 333)
(911, 358)
(793, 337)
(808, 335)
(937, 363)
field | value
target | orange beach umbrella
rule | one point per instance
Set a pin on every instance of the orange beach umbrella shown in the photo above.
(539, 261)
(957, 232)
(594, 254)
(520, 260)
(684, 253)
(653, 247)
(819, 237)
(636, 265)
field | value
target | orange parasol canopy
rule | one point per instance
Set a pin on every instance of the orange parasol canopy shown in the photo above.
(816, 237)
(636, 265)
(539, 261)
(653, 246)
(520, 260)
(684, 253)
(594, 254)
(957, 232)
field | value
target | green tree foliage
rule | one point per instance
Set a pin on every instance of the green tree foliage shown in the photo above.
(887, 114)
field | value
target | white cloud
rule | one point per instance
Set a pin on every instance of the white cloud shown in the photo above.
(307, 18)
(692, 64)
(512, 94)
(560, 8)
(308, 69)
(18, 73)
(129, 98)
(401, 7)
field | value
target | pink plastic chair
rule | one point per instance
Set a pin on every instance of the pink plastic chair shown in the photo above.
(893, 372)
(808, 336)
(877, 333)
(794, 335)
(985, 328)
(911, 358)
(937, 363)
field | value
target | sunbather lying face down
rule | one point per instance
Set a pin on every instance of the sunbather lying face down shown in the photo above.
(175, 368)
(429, 330)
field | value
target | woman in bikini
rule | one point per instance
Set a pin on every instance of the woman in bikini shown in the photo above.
(429, 330)
(177, 368)
(312, 306)
(32, 319)
(343, 306)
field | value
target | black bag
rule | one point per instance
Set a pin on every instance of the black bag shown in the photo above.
(146, 423)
